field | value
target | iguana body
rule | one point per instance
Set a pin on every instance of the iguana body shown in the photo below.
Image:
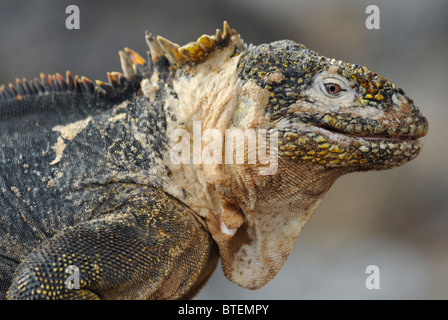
(87, 177)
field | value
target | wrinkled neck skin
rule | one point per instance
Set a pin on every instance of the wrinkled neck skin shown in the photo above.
(274, 210)
(255, 219)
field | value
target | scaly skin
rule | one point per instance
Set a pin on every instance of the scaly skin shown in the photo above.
(87, 176)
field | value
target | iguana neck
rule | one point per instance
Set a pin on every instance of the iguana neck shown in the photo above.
(264, 226)
(255, 232)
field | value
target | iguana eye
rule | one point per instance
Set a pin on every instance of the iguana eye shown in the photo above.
(333, 88)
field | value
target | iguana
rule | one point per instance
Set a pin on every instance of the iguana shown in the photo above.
(88, 178)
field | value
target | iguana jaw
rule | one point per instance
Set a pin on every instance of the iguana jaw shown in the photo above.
(356, 153)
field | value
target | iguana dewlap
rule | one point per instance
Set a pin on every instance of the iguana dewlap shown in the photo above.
(111, 177)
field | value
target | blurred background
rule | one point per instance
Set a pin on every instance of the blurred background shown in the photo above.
(397, 219)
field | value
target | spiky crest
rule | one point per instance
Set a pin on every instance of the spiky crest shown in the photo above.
(193, 52)
(132, 64)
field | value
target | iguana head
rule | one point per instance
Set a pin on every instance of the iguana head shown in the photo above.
(333, 113)
(328, 118)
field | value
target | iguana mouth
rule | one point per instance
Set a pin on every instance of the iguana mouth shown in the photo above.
(336, 148)
(410, 128)
(373, 130)
(388, 137)
(415, 128)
